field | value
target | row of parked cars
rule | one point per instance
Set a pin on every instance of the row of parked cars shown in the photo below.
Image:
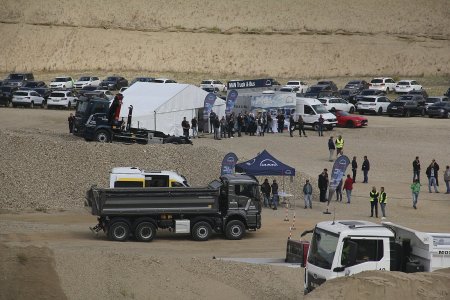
(21, 89)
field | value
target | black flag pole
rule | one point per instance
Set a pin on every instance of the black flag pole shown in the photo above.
(330, 196)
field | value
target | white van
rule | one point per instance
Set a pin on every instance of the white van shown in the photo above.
(310, 109)
(129, 177)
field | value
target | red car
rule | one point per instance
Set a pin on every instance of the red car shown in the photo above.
(345, 119)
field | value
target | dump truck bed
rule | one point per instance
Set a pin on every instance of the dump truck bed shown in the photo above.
(145, 201)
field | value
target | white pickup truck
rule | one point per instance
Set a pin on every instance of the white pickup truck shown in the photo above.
(346, 247)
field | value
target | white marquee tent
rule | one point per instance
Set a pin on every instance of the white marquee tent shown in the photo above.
(162, 106)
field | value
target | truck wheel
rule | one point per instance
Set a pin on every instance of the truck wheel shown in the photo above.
(102, 136)
(119, 231)
(235, 230)
(201, 231)
(316, 126)
(145, 232)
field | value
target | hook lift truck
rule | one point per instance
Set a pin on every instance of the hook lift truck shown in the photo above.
(346, 247)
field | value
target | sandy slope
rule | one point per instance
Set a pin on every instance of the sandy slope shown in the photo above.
(291, 38)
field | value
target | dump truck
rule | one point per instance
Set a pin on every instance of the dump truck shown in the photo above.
(346, 247)
(229, 205)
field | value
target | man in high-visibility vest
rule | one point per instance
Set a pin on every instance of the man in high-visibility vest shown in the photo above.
(382, 199)
(374, 201)
(339, 146)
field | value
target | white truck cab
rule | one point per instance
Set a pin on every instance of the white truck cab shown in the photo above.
(346, 247)
(135, 177)
(310, 109)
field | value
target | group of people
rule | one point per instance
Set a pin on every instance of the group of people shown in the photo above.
(270, 194)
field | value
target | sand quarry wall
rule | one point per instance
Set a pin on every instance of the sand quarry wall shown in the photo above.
(277, 38)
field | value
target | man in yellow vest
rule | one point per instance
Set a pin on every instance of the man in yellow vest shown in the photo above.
(374, 201)
(339, 146)
(382, 199)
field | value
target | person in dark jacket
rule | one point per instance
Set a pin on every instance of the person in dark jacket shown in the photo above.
(274, 187)
(291, 125)
(265, 190)
(432, 174)
(416, 169)
(216, 126)
(374, 201)
(280, 121)
(323, 185)
(365, 168)
(186, 127)
(354, 168)
(194, 124)
(301, 126)
(331, 148)
(71, 120)
(307, 192)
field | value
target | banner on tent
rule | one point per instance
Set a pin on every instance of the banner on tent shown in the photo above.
(210, 99)
(231, 100)
(339, 167)
(228, 163)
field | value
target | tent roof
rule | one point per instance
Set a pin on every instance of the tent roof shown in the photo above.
(265, 164)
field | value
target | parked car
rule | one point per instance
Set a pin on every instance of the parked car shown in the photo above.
(432, 100)
(439, 109)
(62, 82)
(213, 83)
(405, 86)
(87, 81)
(385, 84)
(27, 98)
(419, 92)
(358, 85)
(86, 89)
(369, 92)
(142, 79)
(211, 89)
(6, 94)
(107, 93)
(407, 105)
(164, 80)
(314, 91)
(38, 86)
(333, 104)
(289, 89)
(18, 79)
(373, 104)
(349, 95)
(346, 119)
(331, 85)
(113, 83)
(64, 99)
(301, 85)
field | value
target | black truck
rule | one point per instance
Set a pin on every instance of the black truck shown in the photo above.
(229, 205)
(94, 122)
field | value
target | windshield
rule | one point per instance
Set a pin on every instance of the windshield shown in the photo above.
(353, 82)
(16, 77)
(60, 95)
(439, 104)
(403, 83)
(293, 83)
(21, 93)
(82, 106)
(368, 92)
(111, 79)
(405, 98)
(84, 79)
(206, 82)
(315, 89)
(377, 81)
(320, 109)
(368, 100)
(344, 113)
(323, 248)
(344, 92)
(433, 100)
(30, 84)
(60, 79)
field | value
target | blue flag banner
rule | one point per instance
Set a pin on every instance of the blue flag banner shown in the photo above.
(339, 167)
(210, 99)
(228, 163)
(231, 100)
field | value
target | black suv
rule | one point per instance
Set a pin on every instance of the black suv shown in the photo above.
(113, 83)
(6, 93)
(407, 105)
(18, 79)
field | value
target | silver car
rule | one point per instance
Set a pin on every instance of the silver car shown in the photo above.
(27, 98)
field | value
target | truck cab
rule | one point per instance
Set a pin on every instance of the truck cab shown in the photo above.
(86, 107)
(127, 177)
(343, 248)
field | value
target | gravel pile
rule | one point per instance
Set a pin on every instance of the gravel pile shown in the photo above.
(45, 170)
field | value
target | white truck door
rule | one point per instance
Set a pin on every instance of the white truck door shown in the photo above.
(309, 116)
(362, 254)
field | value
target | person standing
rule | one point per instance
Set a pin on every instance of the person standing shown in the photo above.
(223, 128)
(194, 126)
(280, 122)
(320, 125)
(354, 168)
(216, 126)
(323, 185)
(374, 201)
(212, 118)
(331, 148)
(301, 126)
(365, 168)
(432, 174)
(274, 187)
(269, 123)
(348, 187)
(382, 201)
(447, 179)
(186, 127)
(415, 188)
(71, 120)
(307, 192)
(339, 146)
(265, 190)
(240, 124)
(230, 126)
(339, 191)
(416, 169)
(291, 124)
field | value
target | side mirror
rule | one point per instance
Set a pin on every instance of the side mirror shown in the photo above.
(338, 269)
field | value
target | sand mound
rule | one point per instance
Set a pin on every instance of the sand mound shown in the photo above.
(386, 285)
